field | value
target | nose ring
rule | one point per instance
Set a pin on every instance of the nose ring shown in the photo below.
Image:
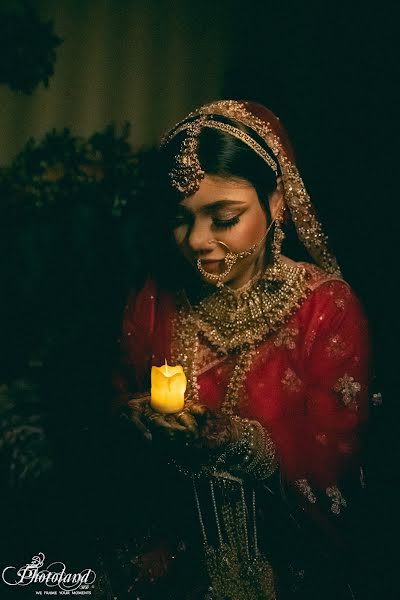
(221, 243)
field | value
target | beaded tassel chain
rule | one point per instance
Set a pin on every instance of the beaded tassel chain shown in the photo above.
(236, 569)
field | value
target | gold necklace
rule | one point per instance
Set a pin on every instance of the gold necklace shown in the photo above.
(236, 322)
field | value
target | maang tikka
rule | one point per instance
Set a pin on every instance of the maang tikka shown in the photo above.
(187, 173)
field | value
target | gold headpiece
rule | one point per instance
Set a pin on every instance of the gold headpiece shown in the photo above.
(187, 173)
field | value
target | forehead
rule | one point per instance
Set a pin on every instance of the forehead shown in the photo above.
(216, 189)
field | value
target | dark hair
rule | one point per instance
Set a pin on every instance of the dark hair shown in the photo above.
(220, 154)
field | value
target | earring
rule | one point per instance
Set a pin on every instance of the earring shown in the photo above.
(278, 238)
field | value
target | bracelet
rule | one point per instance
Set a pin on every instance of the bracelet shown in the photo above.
(255, 449)
(254, 454)
(234, 448)
(265, 462)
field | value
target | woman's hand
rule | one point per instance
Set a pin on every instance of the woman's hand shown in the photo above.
(155, 426)
(193, 426)
(218, 430)
(133, 411)
(175, 427)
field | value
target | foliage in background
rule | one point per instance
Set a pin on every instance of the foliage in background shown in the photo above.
(61, 167)
(24, 451)
(27, 50)
(72, 240)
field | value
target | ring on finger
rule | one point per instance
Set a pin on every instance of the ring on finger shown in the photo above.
(153, 416)
(182, 412)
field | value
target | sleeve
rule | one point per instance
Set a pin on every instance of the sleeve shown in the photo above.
(318, 444)
(132, 353)
(123, 376)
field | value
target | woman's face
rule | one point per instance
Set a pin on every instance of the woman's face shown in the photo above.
(227, 210)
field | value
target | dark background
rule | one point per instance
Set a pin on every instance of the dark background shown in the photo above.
(71, 250)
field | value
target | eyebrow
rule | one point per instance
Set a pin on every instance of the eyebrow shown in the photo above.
(217, 204)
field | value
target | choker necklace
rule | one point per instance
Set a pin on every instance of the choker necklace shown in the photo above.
(233, 320)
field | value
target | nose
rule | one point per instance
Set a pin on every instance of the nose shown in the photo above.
(199, 237)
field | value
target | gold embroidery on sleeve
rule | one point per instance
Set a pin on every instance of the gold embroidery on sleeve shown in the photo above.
(336, 347)
(286, 337)
(340, 303)
(338, 501)
(348, 388)
(362, 478)
(291, 381)
(322, 438)
(376, 399)
(305, 489)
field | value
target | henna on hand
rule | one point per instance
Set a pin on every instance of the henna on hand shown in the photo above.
(218, 430)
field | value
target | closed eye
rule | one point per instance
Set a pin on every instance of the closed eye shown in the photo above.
(187, 219)
(225, 223)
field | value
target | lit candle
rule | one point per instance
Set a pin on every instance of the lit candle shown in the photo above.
(168, 385)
